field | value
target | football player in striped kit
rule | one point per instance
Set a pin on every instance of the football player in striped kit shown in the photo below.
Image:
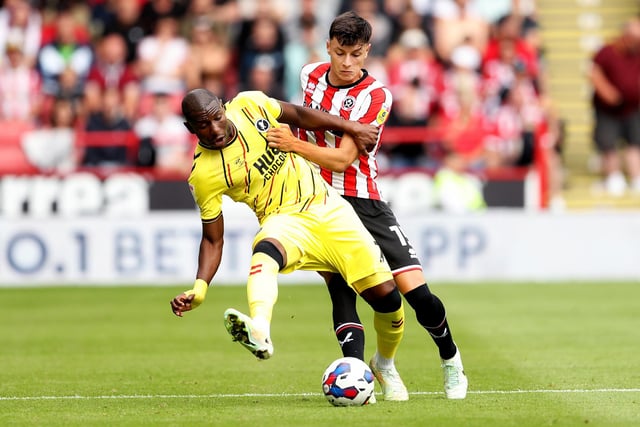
(344, 88)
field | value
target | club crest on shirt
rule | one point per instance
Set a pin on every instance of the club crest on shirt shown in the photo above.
(262, 125)
(383, 114)
(348, 103)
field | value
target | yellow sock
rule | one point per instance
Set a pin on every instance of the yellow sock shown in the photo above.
(390, 329)
(262, 286)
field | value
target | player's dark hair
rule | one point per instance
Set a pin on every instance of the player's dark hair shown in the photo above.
(350, 29)
(197, 100)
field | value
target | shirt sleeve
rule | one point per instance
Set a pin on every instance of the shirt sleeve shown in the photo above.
(260, 99)
(376, 112)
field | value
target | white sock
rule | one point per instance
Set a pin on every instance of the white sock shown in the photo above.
(262, 325)
(383, 362)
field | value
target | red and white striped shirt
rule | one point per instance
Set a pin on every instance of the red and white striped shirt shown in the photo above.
(366, 101)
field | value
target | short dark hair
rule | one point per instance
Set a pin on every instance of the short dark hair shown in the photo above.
(197, 100)
(350, 29)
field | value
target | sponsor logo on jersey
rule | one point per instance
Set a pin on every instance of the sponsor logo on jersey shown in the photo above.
(270, 162)
(315, 106)
(383, 114)
(310, 88)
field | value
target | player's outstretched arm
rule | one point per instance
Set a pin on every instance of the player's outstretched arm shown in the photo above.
(209, 258)
(335, 159)
(365, 135)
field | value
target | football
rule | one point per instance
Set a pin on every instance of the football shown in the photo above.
(348, 382)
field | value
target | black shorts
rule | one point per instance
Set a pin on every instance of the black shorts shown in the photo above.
(379, 219)
(609, 130)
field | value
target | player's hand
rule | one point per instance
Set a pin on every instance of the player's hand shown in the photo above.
(190, 299)
(282, 138)
(182, 303)
(365, 136)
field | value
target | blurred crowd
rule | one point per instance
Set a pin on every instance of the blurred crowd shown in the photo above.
(471, 69)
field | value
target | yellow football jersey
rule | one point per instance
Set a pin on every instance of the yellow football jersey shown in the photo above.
(247, 170)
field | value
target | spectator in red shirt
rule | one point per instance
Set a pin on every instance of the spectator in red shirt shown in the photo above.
(111, 71)
(615, 76)
(509, 28)
(415, 81)
(461, 110)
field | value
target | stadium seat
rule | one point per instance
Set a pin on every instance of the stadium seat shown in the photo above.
(412, 194)
(12, 157)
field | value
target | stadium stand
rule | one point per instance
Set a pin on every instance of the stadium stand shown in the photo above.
(493, 105)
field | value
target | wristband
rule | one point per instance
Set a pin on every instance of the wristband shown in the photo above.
(199, 292)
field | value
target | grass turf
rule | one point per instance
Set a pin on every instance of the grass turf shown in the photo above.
(535, 354)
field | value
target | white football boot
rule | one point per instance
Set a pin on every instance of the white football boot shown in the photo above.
(392, 386)
(241, 328)
(455, 381)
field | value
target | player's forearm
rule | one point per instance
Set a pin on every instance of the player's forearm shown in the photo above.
(311, 119)
(330, 158)
(209, 258)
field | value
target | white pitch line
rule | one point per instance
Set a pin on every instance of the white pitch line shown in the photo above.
(214, 396)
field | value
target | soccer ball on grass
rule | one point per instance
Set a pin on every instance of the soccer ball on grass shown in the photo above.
(348, 382)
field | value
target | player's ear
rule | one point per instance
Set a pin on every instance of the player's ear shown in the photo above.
(328, 46)
(188, 126)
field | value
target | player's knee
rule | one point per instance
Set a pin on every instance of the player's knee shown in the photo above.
(270, 249)
(383, 299)
(421, 297)
(429, 308)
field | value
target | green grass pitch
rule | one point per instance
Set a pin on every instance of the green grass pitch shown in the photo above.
(562, 354)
